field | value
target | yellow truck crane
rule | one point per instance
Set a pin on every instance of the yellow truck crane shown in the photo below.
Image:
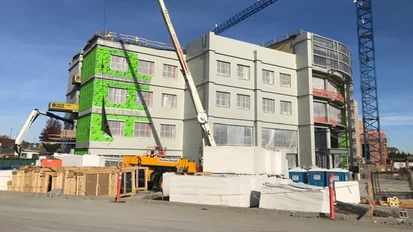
(158, 163)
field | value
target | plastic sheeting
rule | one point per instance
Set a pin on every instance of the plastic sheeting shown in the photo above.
(230, 135)
(217, 189)
(334, 113)
(320, 109)
(244, 160)
(331, 87)
(318, 83)
(275, 138)
(294, 197)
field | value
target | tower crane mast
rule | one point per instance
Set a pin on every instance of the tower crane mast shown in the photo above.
(369, 96)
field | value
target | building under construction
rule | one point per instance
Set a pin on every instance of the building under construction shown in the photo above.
(291, 94)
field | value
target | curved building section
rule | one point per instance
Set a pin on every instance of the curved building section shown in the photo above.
(323, 73)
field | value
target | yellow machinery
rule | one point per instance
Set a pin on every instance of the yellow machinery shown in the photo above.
(158, 164)
(63, 107)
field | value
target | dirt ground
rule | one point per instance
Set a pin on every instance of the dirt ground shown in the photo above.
(28, 212)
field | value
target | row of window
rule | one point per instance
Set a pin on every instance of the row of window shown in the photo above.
(244, 73)
(223, 134)
(244, 103)
(141, 129)
(120, 63)
(143, 98)
(232, 135)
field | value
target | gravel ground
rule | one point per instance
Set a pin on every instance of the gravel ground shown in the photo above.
(38, 213)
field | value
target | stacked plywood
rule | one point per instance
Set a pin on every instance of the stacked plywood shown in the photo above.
(244, 160)
(294, 197)
(5, 177)
(90, 181)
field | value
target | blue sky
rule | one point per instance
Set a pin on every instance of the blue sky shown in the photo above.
(39, 39)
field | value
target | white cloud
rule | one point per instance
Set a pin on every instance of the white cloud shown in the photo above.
(393, 119)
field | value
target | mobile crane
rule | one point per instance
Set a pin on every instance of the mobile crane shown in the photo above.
(158, 163)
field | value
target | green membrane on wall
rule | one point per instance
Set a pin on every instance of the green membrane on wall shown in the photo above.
(98, 135)
(103, 63)
(101, 88)
(83, 129)
(81, 151)
(89, 64)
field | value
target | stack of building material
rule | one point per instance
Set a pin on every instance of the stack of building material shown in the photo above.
(294, 197)
(83, 161)
(217, 189)
(244, 160)
(91, 181)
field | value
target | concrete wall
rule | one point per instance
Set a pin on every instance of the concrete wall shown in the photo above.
(202, 57)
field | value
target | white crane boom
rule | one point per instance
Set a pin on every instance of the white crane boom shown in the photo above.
(32, 117)
(201, 114)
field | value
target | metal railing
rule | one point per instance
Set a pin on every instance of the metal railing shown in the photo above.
(136, 40)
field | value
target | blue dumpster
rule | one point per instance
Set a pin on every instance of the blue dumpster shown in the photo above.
(298, 175)
(317, 177)
(339, 174)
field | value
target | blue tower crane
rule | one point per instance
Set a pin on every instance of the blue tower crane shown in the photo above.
(370, 106)
(254, 8)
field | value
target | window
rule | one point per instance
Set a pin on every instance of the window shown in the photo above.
(285, 80)
(243, 72)
(117, 95)
(147, 98)
(119, 63)
(320, 110)
(142, 129)
(285, 108)
(116, 127)
(145, 67)
(334, 114)
(318, 83)
(229, 135)
(331, 87)
(170, 71)
(268, 105)
(222, 99)
(243, 102)
(267, 77)
(169, 100)
(223, 68)
(168, 131)
(276, 138)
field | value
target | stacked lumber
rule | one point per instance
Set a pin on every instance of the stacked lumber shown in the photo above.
(89, 181)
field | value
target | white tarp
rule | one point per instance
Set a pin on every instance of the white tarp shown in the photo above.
(295, 197)
(244, 160)
(83, 161)
(347, 191)
(223, 190)
(5, 176)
